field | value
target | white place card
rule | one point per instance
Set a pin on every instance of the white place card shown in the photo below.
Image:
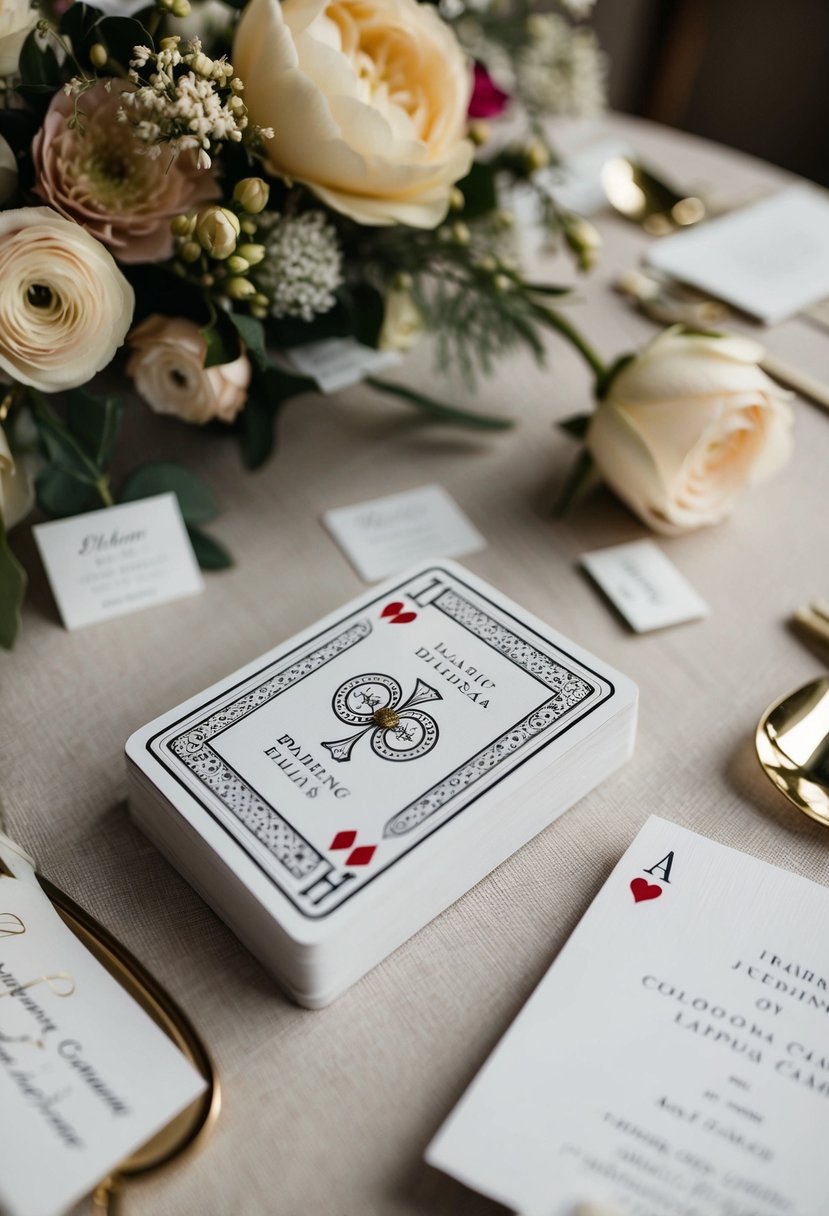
(644, 585)
(674, 1061)
(385, 535)
(337, 363)
(86, 1077)
(118, 560)
(771, 259)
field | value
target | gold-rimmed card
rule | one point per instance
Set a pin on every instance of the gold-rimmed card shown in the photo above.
(97, 1066)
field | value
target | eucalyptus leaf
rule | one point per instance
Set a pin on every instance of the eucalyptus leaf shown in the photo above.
(196, 500)
(252, 333)
(209, 553)
(38, 65)
(95, 423)
(222, 338)
(60, 494)
(12, 591)
(62, 447)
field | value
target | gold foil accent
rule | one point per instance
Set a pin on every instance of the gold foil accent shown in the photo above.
(386, 718)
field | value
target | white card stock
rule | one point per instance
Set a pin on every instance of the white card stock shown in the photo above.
(386, 535)
(106, 563)
(337, 363)
(644, 585)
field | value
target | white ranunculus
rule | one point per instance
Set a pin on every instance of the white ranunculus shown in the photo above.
(16, 492)
(8, 172)
(368, 100)
(65, 307)
(17, 18)
(167, 366)
(686, 425)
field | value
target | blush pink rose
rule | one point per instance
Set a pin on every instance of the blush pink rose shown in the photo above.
(167, 367)
(96, 175)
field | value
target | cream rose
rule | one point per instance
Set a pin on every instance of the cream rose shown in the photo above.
(16, 493)
(686, 425)
(167, 366)
(65, 307)
(17, 19)
(368, 100)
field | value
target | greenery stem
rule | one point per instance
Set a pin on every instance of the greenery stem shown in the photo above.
(556, 321)
(104, 491)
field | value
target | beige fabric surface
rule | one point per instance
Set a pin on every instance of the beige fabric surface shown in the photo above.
(328, 1113)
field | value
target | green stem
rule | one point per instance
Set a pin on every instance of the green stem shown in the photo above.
(102, 486)
(556, 321)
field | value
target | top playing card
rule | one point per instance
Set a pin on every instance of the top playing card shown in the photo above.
(344, 750)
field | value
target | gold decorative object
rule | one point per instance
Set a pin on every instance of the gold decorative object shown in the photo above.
(792, 742)
(386, 717)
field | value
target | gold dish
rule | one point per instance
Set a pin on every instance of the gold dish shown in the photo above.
(792, 742)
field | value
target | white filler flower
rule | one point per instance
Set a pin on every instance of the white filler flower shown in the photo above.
(303, 265)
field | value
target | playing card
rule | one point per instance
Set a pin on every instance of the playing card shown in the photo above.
(672, 1062)
(342, 753)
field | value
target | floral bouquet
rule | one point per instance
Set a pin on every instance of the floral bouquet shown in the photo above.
(206, 187)
(210, 187)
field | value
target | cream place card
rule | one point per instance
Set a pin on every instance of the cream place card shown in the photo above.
(118, 560)
(644, 585)
(385, 535)
(771, 259)
(674, 1061)
(86, 1077)
(337, 363)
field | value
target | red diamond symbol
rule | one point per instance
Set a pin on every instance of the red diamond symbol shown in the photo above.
(344, 840)
(361, 856)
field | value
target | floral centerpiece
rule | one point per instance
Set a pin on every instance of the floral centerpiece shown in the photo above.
(197, 190)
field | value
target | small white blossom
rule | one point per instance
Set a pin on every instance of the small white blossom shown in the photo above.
(302, 267)
(562, 70)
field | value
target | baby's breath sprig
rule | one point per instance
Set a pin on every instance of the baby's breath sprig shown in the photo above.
(187, 101)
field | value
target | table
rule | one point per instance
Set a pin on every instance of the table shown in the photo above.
(328, 1113)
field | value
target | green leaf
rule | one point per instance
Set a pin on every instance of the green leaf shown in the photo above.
(60, 494)
(269, 390)
(583, 477)
(548, 289)
(252, 333)
(368, 309)
(576, 426)
(62, 447)
(222, 338)
(478, 190)
(209, 553)
(95, 423)
(12, 590)
(196, 500)
(39, 67)
(438, 410)
(77, 24)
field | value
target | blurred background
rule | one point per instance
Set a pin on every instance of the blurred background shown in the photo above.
(753, 74)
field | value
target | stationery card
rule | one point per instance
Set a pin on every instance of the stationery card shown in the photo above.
(386, 535)
(337, 363)
(334, 759)
(86, 1077)
(674, 1061)
(771, 259)
(117, 560)
(644, 585)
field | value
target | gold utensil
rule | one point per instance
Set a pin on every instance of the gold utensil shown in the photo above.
(792, 742)
(188, 1128)
(641, 196)
(813, 620)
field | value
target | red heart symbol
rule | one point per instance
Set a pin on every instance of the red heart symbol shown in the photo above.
(396, 613)
(642, 889)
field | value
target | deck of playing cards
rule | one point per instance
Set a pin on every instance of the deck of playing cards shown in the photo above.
(335, 795)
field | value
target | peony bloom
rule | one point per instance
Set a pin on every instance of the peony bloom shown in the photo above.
(487, 101)
(16, 492)
(99, 175)
(368, 99)
(65, 307)
(167, 365)
(686, 425)
(17, 19)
